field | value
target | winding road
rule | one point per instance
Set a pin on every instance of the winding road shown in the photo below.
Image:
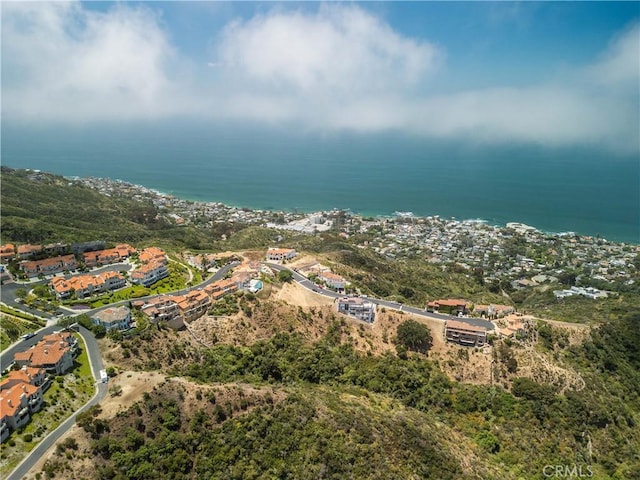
(7, 296)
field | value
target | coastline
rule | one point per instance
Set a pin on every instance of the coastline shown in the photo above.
(396, 215)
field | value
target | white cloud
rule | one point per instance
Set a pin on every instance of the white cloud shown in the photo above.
(339, 49)
(64, 62)
(338, 68)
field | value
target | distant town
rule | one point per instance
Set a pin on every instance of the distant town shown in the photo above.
(515, 253)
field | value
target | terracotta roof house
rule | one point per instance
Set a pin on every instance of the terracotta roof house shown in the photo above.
(219, 289)
(7, 252)
(453, 306)
(333, 280)
(15, 404)
(164, 309)
(54, 353)
(28, 251)
(49, 266)
(193, 304)
(149, 273)
(153, 254)
(31, 375)
(86, 285)
(280, 254)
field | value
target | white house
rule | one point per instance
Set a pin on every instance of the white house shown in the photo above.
(113, 318)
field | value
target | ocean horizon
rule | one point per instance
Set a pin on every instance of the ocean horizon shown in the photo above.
(554, 190)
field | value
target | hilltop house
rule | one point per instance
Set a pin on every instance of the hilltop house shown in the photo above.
(493, 310)
(113, 318)
(357, 307)
(219, 289)
(163, 309)
(333, 280)
(280, 254)
(450, 306)
(464, 333)
(193, 304)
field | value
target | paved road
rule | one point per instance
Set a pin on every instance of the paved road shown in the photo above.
(95, 360)
(8, 290)
(305, 282)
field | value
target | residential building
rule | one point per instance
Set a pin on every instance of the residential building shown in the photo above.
(149, 273)
(512, 325)
(113, 318)
(105, 257)
(153, 254)
(219, 289)
(280, 254)
(465, 333)
(87, 285)
(451, 306)
(28, 251)
(78, 248)
(48, 266)
(14, 404)
(163, 309)
(193, 304)
(7, 252)
(333, 280)
(357, 307)
(29, 375)
(493, 310)
(54, 353)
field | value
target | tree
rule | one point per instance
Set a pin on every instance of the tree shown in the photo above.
(21, 293)
(285, 276)
(414, 335)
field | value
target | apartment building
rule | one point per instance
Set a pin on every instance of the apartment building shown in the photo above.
(86, 285)
(464, 333)
(149, 273)
(49, 266)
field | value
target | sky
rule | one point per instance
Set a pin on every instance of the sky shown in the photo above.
(558, 74)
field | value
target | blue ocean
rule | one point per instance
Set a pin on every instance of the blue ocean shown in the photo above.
(554, 189)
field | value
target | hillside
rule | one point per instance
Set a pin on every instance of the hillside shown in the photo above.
(278, 385)
(298, 393)
(39, 207)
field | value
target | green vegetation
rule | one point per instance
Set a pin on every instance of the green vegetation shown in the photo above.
(285, 276)
(13, 327)
(414, 336)
(41, 208)
(66, 394)
(330, 409)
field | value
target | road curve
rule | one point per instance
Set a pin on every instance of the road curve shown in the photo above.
(95, 360)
